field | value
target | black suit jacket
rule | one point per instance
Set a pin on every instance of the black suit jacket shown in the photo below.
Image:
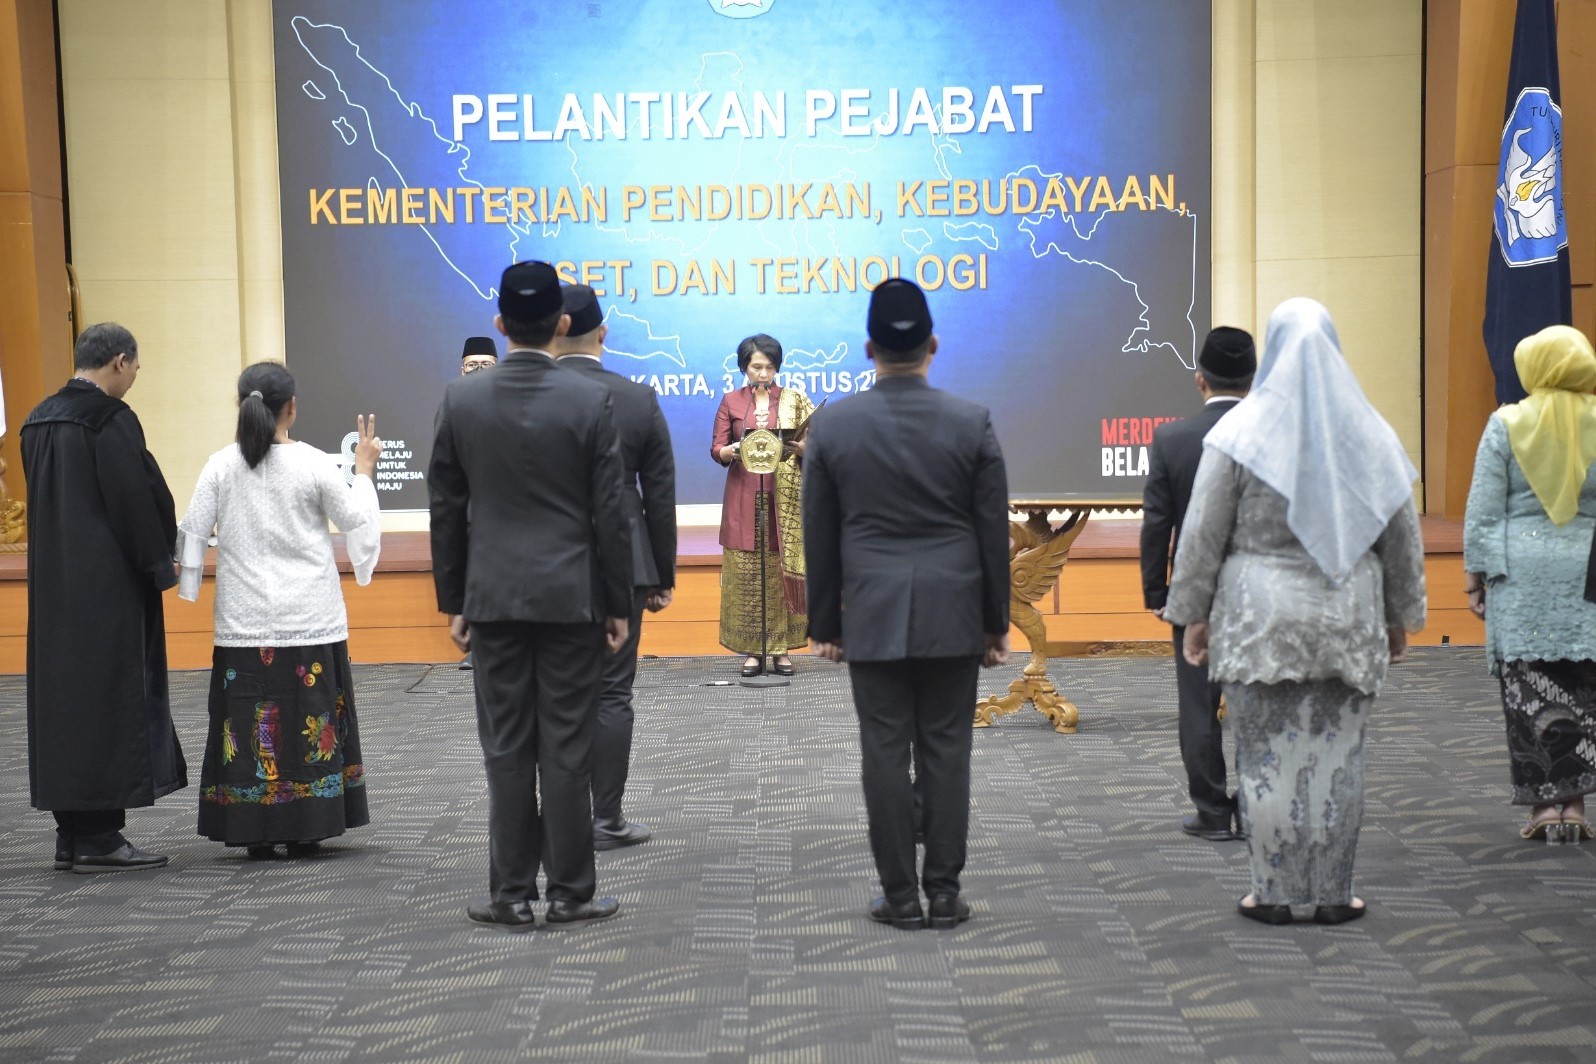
(906, 535)
(1171, 469)
(648, 489)
(531, 454)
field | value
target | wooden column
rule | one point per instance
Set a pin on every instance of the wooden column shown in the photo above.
(1576, 55)
(35, 328)
(1468, 45)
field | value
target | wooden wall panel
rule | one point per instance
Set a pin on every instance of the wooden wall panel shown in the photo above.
(393, 619)
(35, 331)
(1469, 48)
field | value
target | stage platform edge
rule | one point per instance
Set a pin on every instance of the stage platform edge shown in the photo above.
(1096, 609)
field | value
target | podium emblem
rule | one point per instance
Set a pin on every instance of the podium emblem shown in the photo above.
(760, 451)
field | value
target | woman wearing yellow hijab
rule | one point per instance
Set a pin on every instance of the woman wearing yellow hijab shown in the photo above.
(1526, 544)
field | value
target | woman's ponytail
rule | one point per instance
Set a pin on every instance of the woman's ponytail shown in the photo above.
(263, 390)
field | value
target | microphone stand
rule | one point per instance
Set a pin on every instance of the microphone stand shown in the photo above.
(762, 501)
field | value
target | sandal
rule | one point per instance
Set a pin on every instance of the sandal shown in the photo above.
(1339, 914)
(1543, 818)
(1264, 914)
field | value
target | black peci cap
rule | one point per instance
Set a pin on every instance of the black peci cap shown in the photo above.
(581, 303)
(899, 319)
(479, 345)
(1229, 354)
(529, 291)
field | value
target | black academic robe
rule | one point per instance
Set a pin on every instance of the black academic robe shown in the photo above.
(101, 531)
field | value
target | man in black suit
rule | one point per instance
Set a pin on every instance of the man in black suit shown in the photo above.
(536, 581)
(1224, 373)
(648, 493)
(907, 538)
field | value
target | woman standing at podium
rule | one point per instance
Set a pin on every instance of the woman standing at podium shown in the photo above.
(761, 404)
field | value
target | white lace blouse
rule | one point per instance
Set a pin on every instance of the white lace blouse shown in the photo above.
(276, 581)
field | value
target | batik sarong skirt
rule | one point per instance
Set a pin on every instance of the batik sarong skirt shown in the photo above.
(1551, 729)
(1299, 762)
(739, 606)
(282, 757)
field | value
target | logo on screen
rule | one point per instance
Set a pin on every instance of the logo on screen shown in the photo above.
(1530, 226)
(741, 8)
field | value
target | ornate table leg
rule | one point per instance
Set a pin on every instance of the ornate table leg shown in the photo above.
(1037, 554)
(13, 519)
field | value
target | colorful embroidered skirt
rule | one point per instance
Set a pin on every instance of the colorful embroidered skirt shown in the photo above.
(739, 606)
(282, 759)
(1551, 729)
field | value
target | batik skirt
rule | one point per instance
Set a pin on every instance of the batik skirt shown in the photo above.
(282, 758)
(1551, 729)
(1299, 760)
(739, 606)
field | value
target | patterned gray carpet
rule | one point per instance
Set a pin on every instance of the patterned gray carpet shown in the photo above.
(1101, 934)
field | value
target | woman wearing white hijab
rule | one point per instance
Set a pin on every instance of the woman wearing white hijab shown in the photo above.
(1526, 540)
(1299, 572)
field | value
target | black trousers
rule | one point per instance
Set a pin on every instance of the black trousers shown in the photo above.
(90, 831)
(925, 705)
(612, 745)
(537, 709)
(1202, 748)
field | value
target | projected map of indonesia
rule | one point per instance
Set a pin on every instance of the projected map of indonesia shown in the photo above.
(379, 116)
(407, 153)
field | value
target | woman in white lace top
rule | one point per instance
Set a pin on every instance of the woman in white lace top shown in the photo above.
(282, 758)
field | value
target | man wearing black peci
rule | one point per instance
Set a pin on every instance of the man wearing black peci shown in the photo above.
(478, 353)
(537, 582)
(648, 493)
(1224, 373)
(908, 579)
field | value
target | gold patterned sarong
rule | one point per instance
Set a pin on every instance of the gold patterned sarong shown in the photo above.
(739, 607)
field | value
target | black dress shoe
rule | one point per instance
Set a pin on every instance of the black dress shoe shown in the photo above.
(304, 849)
(510, 915)
(611, 833)
(755, 669)
(125, 858)
(781, 668)
(1264, 914)
(1338, 914)
(948, 911)
(906, 917)
(1212, 826)
(63, 855)
(262, 851)
(566, 913)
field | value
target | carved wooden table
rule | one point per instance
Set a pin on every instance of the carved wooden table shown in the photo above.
(1038, 550)
(13, 518)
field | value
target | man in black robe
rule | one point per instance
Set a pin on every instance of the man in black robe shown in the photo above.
(101, 530)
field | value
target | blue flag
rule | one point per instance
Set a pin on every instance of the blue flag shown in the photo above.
(1527, 283)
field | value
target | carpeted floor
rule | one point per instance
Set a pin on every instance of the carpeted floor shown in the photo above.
(1101, 933)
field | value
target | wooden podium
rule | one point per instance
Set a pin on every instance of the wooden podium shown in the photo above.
(1038, 550)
